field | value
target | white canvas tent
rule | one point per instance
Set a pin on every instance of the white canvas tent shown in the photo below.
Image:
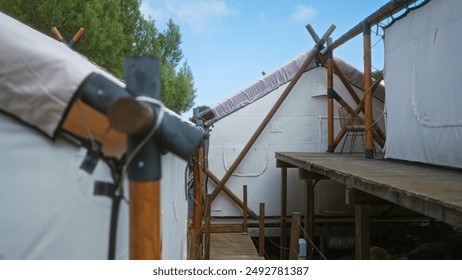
(422, 66)
(47, 202)
(300, 124)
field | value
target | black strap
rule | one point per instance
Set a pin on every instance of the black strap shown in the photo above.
(110, 190)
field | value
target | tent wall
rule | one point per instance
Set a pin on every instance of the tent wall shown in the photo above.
(174, 208)
(48, 209)
(422, 62)
(299, 125)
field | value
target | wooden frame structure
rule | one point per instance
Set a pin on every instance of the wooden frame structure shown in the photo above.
(373, 132)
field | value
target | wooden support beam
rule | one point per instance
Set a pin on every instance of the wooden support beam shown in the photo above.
(368, 112)
(310, 175)
(382, 13)
(281, 164)
(357, 197)
(283, 242)
(346, 83)
(197, 204)
(145, 243)
(294, 236)
(208, 218)
(261, 231)
(362, 232)
(231, 195)
(245, 214)
(309, 216)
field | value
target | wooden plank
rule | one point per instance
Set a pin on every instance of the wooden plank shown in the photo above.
(261, 231)
(282, 164)
(356, 197)
(232, 246)
(432, 191)
(362, 232)
(217, 228)
(306, 175)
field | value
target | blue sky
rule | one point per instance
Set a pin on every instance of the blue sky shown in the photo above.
(228, 43)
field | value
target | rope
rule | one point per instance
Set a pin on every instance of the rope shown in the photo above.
(311, 242)
(145, 139)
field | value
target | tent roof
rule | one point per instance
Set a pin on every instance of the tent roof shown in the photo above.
(39, 77)
(279, 77)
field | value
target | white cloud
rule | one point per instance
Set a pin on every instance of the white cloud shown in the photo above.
(303, 13)
(199, 16)
(159, 14)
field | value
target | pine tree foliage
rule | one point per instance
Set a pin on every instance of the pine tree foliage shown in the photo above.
(115, 29)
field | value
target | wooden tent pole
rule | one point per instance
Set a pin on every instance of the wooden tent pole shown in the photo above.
(382, 13)
(369, 152)
(346, 83)
(145, 220)
(197, 204)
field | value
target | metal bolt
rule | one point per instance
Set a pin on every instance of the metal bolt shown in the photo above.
(140, 164)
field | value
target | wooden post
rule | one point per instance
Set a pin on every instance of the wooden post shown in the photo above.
(330, 103)
(309, 216)
(145, 243)
(197, 204)
(283, 250)
(294, 236)
(369, 151)
(362, 232)
(261, 231)
(244, 214)
(208, 214)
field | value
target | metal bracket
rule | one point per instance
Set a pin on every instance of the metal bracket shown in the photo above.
(142, 77)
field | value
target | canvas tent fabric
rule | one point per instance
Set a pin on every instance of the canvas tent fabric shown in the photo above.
(279, 77)
(48, 209)
(422, 62)
(299, 125)
(29, 56)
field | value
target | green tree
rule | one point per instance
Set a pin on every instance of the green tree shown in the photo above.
(115, 29)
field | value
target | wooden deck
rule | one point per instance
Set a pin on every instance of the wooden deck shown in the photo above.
(232, 246)
(432, 191)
